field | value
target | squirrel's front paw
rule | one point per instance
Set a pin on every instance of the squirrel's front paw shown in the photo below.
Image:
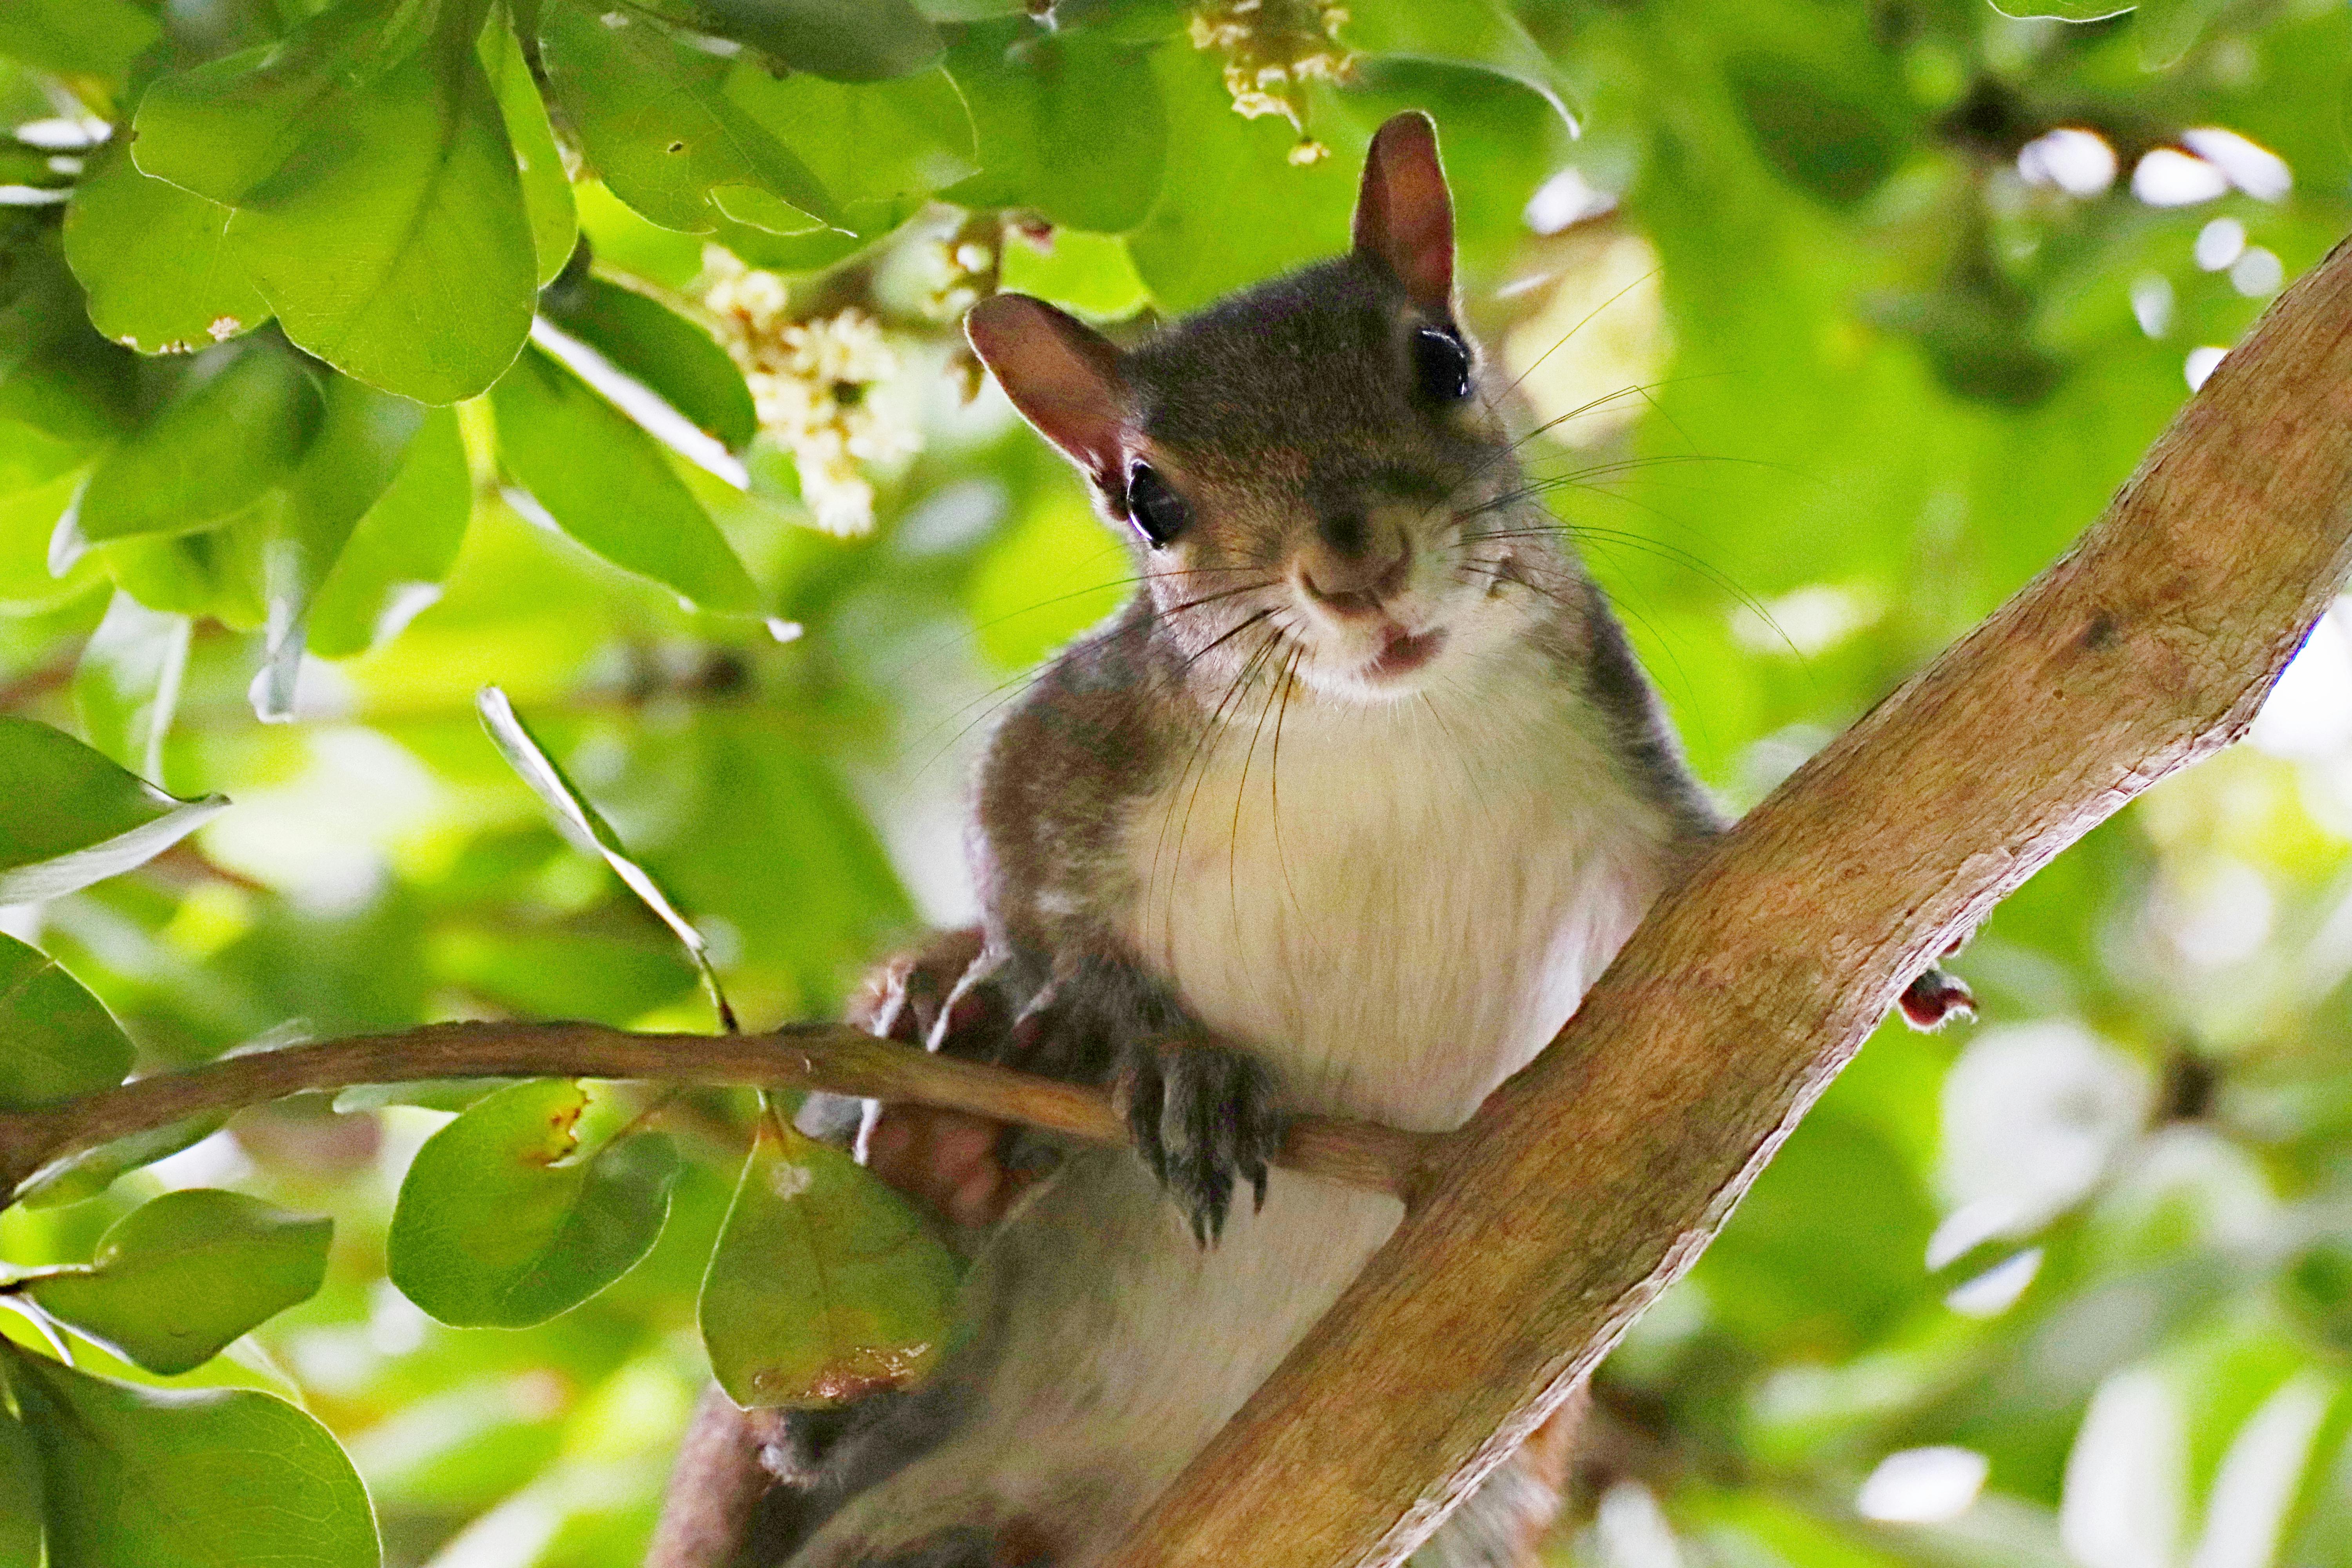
(1202, 1118)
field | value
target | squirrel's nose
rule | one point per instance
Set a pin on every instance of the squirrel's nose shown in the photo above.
(1351, 565)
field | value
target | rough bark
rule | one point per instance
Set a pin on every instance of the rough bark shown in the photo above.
(1592, 1180)
(715, 1488)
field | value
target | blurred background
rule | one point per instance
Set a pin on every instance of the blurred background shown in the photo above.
(1850, 316)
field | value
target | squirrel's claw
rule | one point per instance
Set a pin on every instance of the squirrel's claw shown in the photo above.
(1203, 1117)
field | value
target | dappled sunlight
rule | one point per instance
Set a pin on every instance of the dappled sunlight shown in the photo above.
(1596, 338)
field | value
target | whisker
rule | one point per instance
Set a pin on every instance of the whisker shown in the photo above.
(1580, 326)
(961, 633)
(1141, 624)
(1208, 734)
(1029, 677)
(1543, 484)
(1226, 638)
(999, 693)
(1584, 477)
(1641, 390)
(1493, 573)
(1234, 837)
(1274, 783)
(1204, 750)
(1462, 754)
(1659, 549)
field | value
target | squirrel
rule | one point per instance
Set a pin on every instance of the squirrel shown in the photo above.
(1341, 814)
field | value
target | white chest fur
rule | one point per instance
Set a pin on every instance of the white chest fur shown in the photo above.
(1396, 907)
(1395, 915)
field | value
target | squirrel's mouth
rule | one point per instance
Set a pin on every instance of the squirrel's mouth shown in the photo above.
(1404, 653)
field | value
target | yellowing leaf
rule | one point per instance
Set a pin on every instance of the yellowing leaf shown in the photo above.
(824, 1286)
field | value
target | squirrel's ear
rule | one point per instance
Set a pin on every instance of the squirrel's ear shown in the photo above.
(1404, 215)
(1061, 374)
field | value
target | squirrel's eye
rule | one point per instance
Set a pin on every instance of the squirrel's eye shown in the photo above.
(1157, 513)
(1441, 365)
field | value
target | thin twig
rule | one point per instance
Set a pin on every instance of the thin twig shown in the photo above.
(829, 1056)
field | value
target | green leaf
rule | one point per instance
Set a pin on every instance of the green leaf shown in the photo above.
(567, 971)
(216, 573)
(23, 165)
(29, 522)
(156, 1477)
(526, 1205)
(1136, 21)
(367, 170)
(736, 786)
(1777, 1285)
(2064, 10)
(127, 684)
(181, 1276)
(1090, 273)
(1817, 135)
(29, 458)
(1484, 34)
(92, 1171)
(645, 340)
(877, 144)
(1034, 96)
(865, 224)
(155, 259)
(449, 1094)
(656, 124)
(63, 388)
(55, 1041)
(357, 242)
(546, 188)
(620, 238)
(392, 564)
(71, 817)
(358, 454)
(73, 387)
(20, 1495)
(228, 434)
(1234, 209)
(1040, 580)
(582, 823)
(606, 483)
(824, 1286)
(223, 128)
(845, 40)
(2165, 30)
(99, 38)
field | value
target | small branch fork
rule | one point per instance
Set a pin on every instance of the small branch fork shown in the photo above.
(830, 1057)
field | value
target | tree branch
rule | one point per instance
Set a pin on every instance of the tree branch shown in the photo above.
(1592, 1181)
(831, 1056)
(716, 1485)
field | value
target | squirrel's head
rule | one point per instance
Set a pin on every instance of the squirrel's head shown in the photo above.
(1313, 469)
